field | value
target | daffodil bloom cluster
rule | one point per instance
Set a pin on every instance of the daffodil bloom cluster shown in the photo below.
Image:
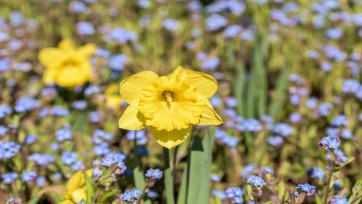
(76, 189)
(169, 105)
(66, 65)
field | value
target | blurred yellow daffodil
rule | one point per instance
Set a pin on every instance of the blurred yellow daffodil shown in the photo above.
(66, 65)
(169, 105)
(76, 189)
(113, 100)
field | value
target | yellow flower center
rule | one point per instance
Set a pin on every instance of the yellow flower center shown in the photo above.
(169, 103)
(168, 96)
(70, 63)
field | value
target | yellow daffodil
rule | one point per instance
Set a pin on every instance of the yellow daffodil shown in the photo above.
(169, 105)
(113, 100)
(66, 65)
(76, 189)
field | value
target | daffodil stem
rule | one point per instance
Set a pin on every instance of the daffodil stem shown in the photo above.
(168, 159)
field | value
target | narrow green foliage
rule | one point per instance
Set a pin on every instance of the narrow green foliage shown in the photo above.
(279, 96)
(168, 178)
(90, 186)
(239, 88)
(199, 181)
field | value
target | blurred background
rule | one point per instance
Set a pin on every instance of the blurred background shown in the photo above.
(288, 75)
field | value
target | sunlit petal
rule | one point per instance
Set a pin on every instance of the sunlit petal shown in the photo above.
(131, 119)
(66, 45)
(131, 88)
(79, 195)
(50, 56)
(49, 76)
(205, 84)
(209, 116)
(87, 50)
(75, 182)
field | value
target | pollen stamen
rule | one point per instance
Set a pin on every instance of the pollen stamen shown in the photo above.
(168, 96)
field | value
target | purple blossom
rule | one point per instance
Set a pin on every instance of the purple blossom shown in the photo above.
(26, 103)
(28, 176)
(339, 199)
(69, 158)
(117, 62)
(131, 195)
(275, 141)
(220, 194)
(8, 149)
(316, 172)
(330, 142)
(340, 121)
(232, 31)
(154, 174)
(10, 177)
(309, 189)
(171, 24)
(85, 28)
(41, 159)
(334, 33)
(283, 129)
(235, 194)
(350, 86)
(340, 157)
(256, 181)
(215, 22)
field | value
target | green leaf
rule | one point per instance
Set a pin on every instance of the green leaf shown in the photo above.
(168, 177)
(90, 187)
(344, 164)
(318, 200)
(239, 88)
(139, 179)
(182, 195)
(199, 168)
(34, 200)
(107, 195)
(217, 200)
(279, 98)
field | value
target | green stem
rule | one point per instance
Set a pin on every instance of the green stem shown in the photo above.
(329, 183)
(144, 192)
(253, 195)
(168, 159)
(292, 197)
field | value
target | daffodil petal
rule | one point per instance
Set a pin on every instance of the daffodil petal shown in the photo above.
(170, 139)
(67, 45)
(49, 75)
(50, 56)
(205, 84)
(79, 195)
(87, 50)
(209, 116)
(75, 182)
(131, 87)
(113, 102)
(131, 119)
